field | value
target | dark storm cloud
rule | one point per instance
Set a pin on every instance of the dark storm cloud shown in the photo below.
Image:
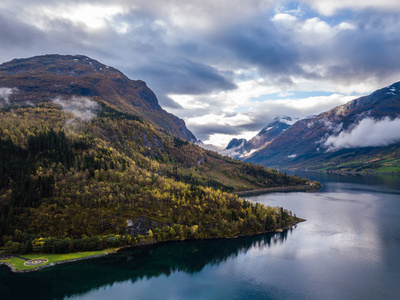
(371, 50)
(167, 101)
(143, 53)
(184, 65)
(14, 33)
(20, 39)
(203, 132)
(185, 77)
(258, 44)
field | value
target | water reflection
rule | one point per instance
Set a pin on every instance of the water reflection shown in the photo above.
(131, 265)
(353, 181)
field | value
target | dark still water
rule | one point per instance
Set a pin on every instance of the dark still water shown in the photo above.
(349, 248)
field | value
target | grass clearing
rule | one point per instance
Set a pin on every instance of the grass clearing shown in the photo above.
(18, 263)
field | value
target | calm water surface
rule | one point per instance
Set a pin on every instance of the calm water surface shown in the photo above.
(349, 248)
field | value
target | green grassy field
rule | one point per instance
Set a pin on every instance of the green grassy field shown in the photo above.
(373, 164)
(18, 263)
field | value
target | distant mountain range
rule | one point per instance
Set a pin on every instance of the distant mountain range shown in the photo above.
(360, 136)
(241, 148)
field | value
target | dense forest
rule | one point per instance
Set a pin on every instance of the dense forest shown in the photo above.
(69, 183)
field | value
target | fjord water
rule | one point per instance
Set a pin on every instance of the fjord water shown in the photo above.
(349, 248)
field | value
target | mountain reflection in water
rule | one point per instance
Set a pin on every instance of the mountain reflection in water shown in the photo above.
(349, 248)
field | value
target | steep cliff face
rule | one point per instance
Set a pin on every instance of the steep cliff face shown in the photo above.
(45, 78)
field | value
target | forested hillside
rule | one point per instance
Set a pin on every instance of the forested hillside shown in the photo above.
(90, 160)
(71, 184)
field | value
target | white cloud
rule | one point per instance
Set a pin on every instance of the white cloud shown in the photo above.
(244, 99)
(329, 7)
(222, 140)
(94, 17)
(222, 120)
(81, 108)
(284, 19)
(5, 94)
(240, 111)
(300, 107)
(312, 31)
(87, 16)
(258, 114)
(367, 133)
(315, 25)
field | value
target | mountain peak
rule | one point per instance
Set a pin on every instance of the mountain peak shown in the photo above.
(62, 65)
(278, 125)
(236, 143)
(241, 148)
(346, 133)
(47, 77)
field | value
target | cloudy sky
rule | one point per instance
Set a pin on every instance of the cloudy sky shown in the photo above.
(227, 67)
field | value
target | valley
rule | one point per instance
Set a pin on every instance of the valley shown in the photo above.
(360, 136)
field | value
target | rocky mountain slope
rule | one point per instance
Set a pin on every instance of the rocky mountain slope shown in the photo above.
(362, 135)
(49, 77)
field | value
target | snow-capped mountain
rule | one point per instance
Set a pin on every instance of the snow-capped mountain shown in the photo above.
(363, 130)
(241, 148)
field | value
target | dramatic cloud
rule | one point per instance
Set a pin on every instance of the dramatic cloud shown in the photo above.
(243, 115)
(81, 108)
(199, 78)
(5, 94)
(367, 133)
(260, 59)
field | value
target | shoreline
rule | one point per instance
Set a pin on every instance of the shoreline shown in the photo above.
(339, 172)
(38, 268)
(292, 188)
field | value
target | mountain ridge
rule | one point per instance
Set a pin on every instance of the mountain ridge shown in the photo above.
(46, 77)
(305, 144)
